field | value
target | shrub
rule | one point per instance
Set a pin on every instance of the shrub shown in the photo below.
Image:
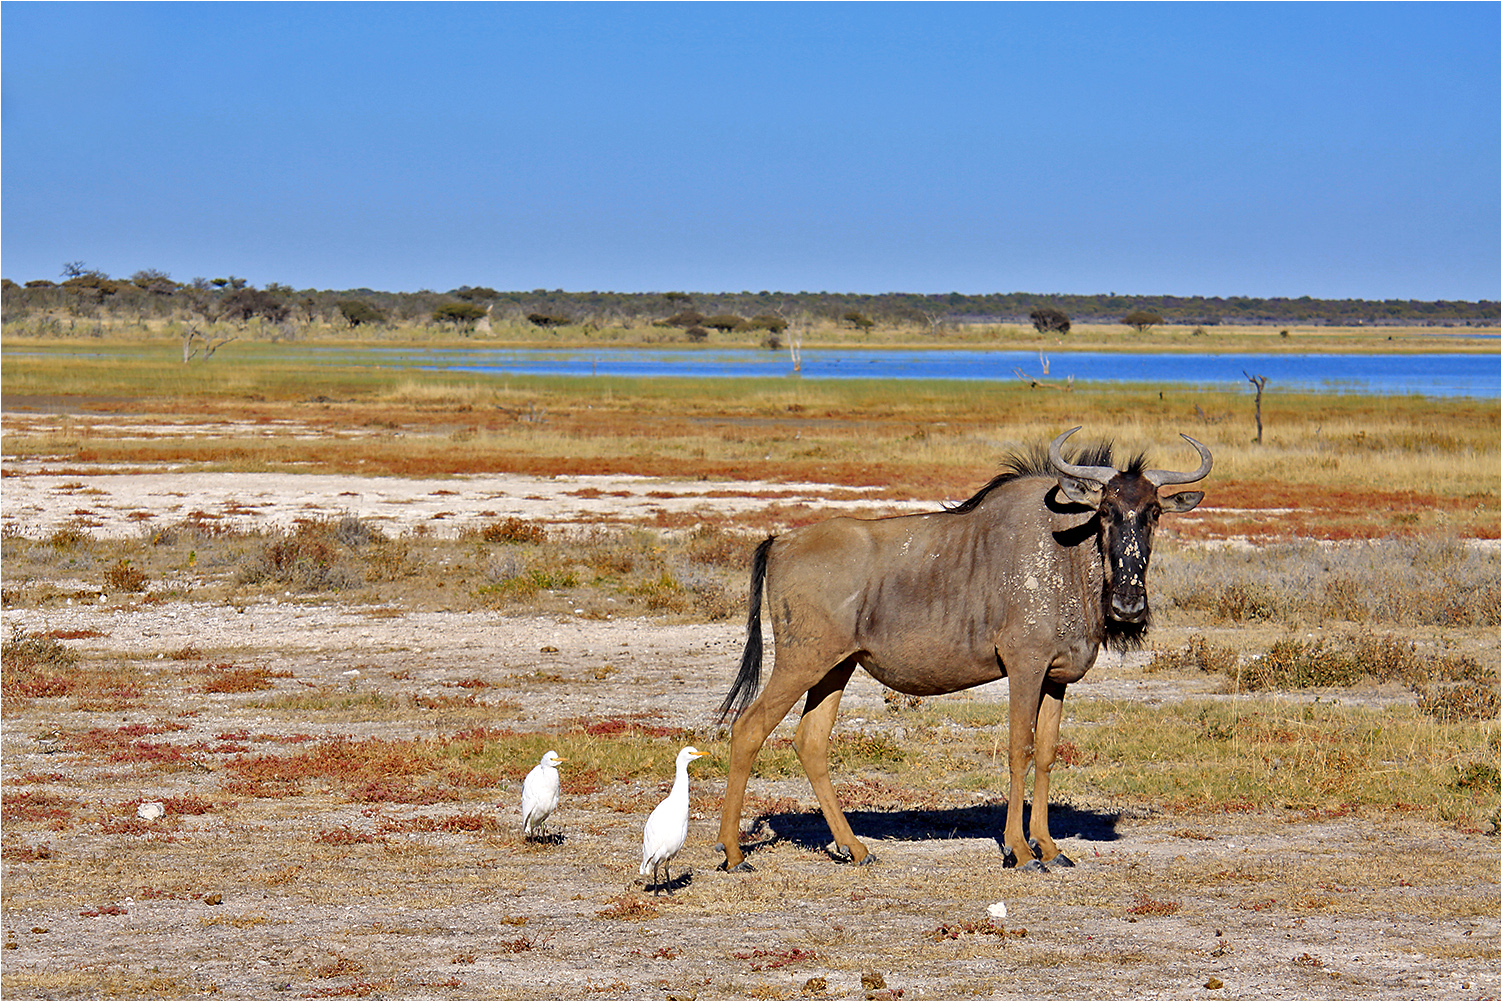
(723, 322)
(36, 666)
(1295, 664)
(308, 559)
(512, 530)
(357, 312)
(715, 546)
(1142, 320)
(766, 322)
(1048, 318)
(245, 303)
(460, 314)
(684, 319)
(229, 679)
(545, 320)
(124, 578)
(1198, 654)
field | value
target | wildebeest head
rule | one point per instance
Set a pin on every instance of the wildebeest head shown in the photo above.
(1128, 504)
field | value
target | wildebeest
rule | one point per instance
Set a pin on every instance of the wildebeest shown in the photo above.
(1026, 580)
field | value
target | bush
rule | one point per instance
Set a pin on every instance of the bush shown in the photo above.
(243, 304)
(357, 312)
(1294, 664)
(545, 320)
(460, 314)
(1048, 318)
(684, 318)
(124, 578)
(723, 322)
(308, 560)
(1142, 320)
(36, 665)
(512, 530)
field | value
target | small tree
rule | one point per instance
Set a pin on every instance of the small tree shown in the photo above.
(1142, 320)
(244, 303)
(474, 293)
(860, 321)
(1048, 318)
(723, 322)
(1258, 382)
(357, 312)
(459, 314)
(545, 320)
(684, 318)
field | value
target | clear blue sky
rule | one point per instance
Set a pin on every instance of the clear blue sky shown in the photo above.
(1341, 150)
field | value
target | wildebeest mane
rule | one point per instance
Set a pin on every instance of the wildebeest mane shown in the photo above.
(1034, 462)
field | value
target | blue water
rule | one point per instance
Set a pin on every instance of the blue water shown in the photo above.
(1437, 375)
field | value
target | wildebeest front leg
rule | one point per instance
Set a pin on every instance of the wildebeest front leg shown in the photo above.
(1046, 738)
(1023, 712)
(812, 742)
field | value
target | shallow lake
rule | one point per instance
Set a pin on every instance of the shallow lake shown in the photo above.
(1431, 375)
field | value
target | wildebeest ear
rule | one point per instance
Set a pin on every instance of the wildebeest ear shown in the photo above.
(1184, 501)
(1080, 490)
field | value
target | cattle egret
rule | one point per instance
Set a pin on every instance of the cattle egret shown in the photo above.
(540, 794)
(151, 811)
(668, 825)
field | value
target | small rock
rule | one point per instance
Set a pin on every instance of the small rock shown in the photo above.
(1213, 983)
(151, 811)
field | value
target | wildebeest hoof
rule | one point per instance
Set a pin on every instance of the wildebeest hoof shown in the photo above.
(1034, 867)
(1061, 861)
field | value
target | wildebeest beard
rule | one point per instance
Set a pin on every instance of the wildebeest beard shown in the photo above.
(1120, 635)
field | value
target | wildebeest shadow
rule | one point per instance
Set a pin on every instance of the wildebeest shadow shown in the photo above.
(807, 829)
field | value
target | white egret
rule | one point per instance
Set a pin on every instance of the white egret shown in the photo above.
(668, 825)
(540, 794)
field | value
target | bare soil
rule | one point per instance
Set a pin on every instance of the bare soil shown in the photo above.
(316, 895)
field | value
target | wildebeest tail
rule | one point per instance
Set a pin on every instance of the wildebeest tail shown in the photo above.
(750, 676)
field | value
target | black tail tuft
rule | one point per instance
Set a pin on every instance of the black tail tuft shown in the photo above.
(750, 676)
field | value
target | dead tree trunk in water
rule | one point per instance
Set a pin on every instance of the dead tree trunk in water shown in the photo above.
(1260, 382)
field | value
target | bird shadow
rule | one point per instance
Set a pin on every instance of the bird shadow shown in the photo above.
(551, 837)
(807, 829)
(671, 885)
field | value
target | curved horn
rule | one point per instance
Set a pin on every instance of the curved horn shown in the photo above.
(1159, 478)
(1098, 474)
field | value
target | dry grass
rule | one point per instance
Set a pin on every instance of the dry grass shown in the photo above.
(329, 838)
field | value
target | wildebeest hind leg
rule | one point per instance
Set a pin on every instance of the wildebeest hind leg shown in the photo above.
(1046, 738)
(812, 742)
(747, 735)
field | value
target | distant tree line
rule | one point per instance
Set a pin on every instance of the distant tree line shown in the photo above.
(83, 291)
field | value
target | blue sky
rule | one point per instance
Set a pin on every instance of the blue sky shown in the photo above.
(1341, 150)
